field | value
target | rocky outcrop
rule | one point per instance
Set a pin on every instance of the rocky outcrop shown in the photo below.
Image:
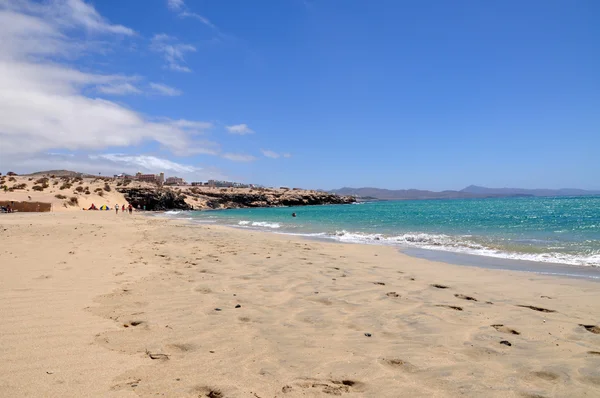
(232, 199)
(207, 198)
(155, 199)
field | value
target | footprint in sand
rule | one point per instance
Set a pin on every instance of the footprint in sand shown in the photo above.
(331, 387)
(505, 329)
(591, 328)
(208, 392)
(399, 364)
(438, 286)
(452, 307)
(392, 294)
(540, 309)
(463, 297)
(183, 347)
(133, 323)
(548, 376)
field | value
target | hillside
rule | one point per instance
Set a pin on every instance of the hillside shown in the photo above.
(74, 193)
(403, 194)
(470, 192)
(477, 190)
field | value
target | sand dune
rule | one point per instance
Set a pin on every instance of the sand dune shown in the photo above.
(95, 304)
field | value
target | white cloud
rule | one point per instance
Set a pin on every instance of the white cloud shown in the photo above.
(109, 164)
(163, 89)
(237, 157)
(204, 20)
(241, 129)
(175, 5)
(270, 154)
(183, 12)
(67, 13)
(119, 89)
(173, 52)
(191, 125)
(86, 15)
(274, 155)
(43, 105)
(147, 162)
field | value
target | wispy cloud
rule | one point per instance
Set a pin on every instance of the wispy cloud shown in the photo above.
(203, 19)
(175, 5)
(147, 162)
(274, 155)
(173, 52)
(191, 125)
(240, 129)
(43, 102)
(114, 163)
(163, 89)
(183, 11)
(119, 89)
(237, 157)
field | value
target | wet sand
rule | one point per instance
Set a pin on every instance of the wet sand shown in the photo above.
(98, 304)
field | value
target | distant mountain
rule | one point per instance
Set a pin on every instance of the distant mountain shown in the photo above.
(477, 190)
(470, 192)
(387, 194)
(58, 173)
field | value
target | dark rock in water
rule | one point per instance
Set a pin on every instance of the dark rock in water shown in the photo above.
(155, 199)
(238, 306)
(506, 342)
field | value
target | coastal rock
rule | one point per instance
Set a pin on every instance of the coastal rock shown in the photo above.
(155, 199)
(161, 198)
(243, 198)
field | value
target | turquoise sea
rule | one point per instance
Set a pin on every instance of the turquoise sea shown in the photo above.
(561, 230)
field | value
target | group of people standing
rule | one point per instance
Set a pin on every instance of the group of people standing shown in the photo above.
(130, 208)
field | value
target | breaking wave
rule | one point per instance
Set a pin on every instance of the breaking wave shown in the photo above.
(259, 224)
(463, 245)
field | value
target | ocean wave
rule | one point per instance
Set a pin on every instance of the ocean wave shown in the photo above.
(173, 212)
(260, 224)
(461, 245)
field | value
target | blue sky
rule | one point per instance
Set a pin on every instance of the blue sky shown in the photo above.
(311, 93)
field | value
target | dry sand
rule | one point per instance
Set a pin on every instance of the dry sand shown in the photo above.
(98, 304)
(97, 195)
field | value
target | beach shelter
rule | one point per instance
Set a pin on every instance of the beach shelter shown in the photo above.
(104, 207)
(93, 207)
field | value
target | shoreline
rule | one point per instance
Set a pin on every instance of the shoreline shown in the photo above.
(124, 306)
(590, 272)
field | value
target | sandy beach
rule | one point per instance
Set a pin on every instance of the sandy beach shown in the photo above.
(98, 304)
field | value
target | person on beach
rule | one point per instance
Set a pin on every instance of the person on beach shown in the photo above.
(116, 209)
(130, 208)
(123, 209)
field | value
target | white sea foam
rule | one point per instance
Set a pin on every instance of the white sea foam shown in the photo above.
(461, 245)
(173, 212)
(260, 224)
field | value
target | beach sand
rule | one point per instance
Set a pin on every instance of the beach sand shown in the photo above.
(98, 304)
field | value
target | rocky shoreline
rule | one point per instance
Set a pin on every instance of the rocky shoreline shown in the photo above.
(194, 198)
